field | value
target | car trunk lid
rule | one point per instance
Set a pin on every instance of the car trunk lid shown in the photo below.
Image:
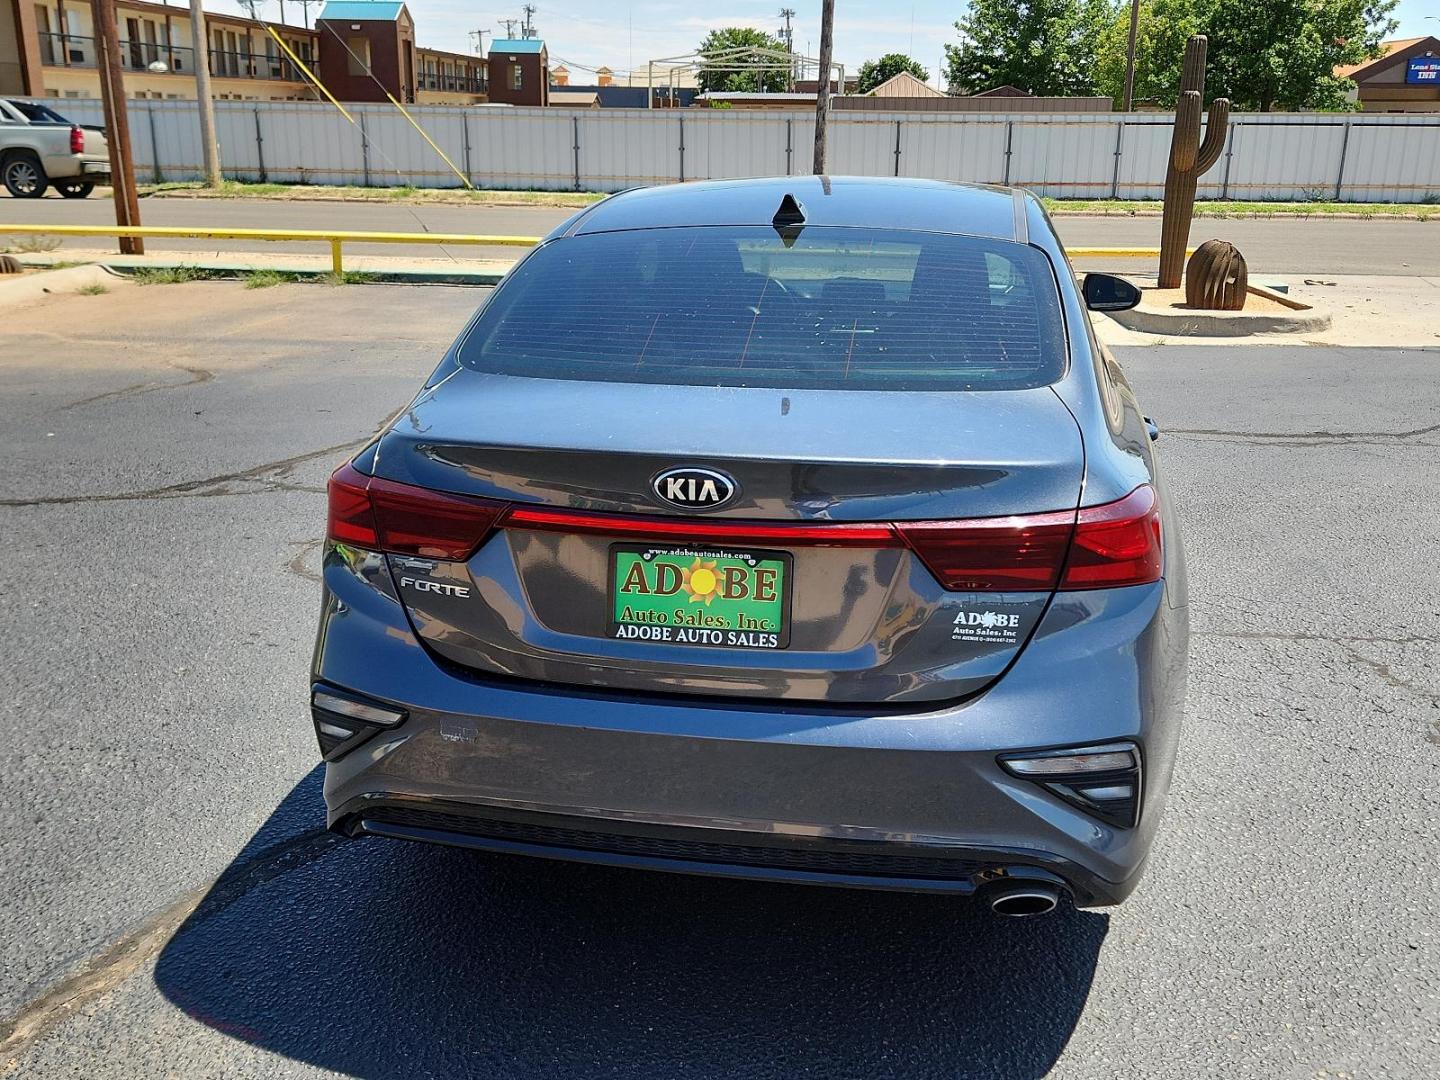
(814, 539)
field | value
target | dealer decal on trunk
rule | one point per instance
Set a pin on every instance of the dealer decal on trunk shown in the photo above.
(989, 627)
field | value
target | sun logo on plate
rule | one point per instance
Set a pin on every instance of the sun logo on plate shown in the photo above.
(699, 580)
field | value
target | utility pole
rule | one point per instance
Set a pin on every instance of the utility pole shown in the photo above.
(305, 5)
(117, 122)
(788, 36)
(822, 96)
(1129, 101)
(527, 29)
(509, 28)
(478, 37)
(199, 39)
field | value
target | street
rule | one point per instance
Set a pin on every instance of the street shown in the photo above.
(174, 907)
(1280, 245)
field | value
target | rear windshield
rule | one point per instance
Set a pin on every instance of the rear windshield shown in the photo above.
(830, 309)
(38, 114)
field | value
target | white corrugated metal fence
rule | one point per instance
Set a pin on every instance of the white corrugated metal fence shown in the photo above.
(1300, 156)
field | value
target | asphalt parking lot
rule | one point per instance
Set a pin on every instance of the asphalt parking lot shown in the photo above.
(171, 905)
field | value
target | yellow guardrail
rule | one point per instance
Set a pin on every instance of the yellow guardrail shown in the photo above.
(335, 239)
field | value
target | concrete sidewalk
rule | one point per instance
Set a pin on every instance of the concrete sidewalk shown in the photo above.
(1366, 310)
(408, 270)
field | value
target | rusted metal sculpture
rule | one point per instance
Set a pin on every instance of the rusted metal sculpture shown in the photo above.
(10, 265)
(1216, 277)
(1189, 159)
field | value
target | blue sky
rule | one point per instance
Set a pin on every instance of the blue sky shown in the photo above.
(620, 33)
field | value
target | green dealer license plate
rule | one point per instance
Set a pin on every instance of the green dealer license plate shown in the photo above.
(700, 596)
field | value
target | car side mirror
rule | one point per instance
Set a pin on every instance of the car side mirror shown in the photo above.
(1106, 292)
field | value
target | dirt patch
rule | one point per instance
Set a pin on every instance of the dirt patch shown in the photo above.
(1174, 300)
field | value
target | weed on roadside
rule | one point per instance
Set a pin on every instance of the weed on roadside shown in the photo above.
(348, 277)
(171, 275)
(265, 279)
(33, 245)
(93, 290)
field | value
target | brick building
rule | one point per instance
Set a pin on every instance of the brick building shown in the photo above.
(47, 49)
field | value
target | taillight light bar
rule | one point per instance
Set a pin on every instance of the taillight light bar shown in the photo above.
(384, 515)
(1099, 547)
(77, 139)
(633, 526)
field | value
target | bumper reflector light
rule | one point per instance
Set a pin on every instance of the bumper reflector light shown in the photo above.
(1071, 762)
(343, 722)
(358, 710)
(1104, 781)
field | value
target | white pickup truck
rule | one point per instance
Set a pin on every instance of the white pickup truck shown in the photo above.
(39, 147)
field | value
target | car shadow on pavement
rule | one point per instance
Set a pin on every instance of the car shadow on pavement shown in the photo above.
(380, 958)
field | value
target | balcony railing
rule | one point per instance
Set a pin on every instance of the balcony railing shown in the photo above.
(70, 51)
(461, 84)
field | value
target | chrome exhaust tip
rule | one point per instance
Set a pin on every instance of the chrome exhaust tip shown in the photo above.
(1024, 901)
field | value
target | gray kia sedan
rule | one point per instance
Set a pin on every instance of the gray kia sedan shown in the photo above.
(794, 529)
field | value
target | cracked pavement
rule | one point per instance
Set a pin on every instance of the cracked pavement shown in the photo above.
(171, 905)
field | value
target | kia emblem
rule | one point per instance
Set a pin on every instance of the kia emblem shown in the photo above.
(693, 488)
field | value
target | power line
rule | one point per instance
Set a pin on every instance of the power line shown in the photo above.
(527, 29)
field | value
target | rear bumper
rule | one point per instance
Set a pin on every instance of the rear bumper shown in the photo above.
(912, 801)
(760, 856)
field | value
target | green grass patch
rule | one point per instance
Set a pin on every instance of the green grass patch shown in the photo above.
(93, 290)
(348, 277)
(1314, 205)
(1225, 208)
(265, 279)
(240, 189)
(172, 275)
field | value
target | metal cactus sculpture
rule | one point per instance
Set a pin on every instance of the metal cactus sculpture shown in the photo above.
(1189, 159)
(1216, 278)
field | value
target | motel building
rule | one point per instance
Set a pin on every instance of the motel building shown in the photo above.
(47, 49)
(1404, 78)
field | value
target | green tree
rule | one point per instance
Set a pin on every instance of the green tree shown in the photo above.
(1268, 53)
(1046, 47)
(1163, 28)
(1264, 54)
(715, 79)
(874, 72)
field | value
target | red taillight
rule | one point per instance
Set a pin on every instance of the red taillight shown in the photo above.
(1109, 546)
(351, 521)
(1117, 544)
(77, 139)
(1009, 554)
(383, 515)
